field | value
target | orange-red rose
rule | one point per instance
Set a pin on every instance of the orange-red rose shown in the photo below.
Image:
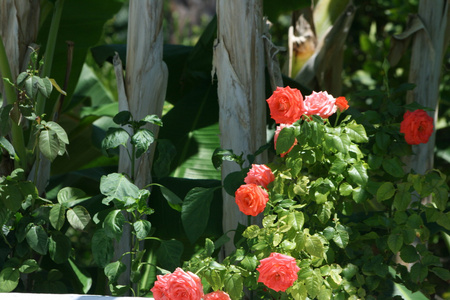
(342, 103)
(251, 199)
(259, 175)
(275, 138)
(417, 127)
(179, 285)
(286, 105)
(218, 295)
(278, 271)
(320, 104)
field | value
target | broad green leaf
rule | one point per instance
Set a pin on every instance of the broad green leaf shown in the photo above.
(195, 211)
(324, 211)
(233, 181)
(59, 247)
(153, 119)
(393, 167)
(172, 199)
(114, 270)
(314, 246)
(395, 242)
(45, 87)
(296, 219)
(383, 140)
(29, 266)
(440, 197)
(78, 217)
(117, 187)
(113, 224)
(356, 132)
(442, 273)
(409, 254)
(122, 118)
(69, 194)
(60, 132)
(234, 286)
(169, 254)
(358, 173)
(5, 144)
(142, 228)
(84, 279)
(9, 279)
(385, 191)
(49, 144)
(345, 189)
(37, 239)
(402, 198)
(57, 216)
(341, 236)
(313, 284)
(142, 140)
(114, 138)
(419, 272)
(285, 140)
(102, 248)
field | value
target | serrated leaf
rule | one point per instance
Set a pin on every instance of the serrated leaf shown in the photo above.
(153, 119)
(57, 216)
(78, 217)
(402, 198)
(418, 272)
(69, 194)
(114, 138)
(113, 224)
(142, 228)
(49, 144)
(314, 246)
(358, 173)
(195, 211)
(341, 236)
(385, 191)
(285, 140)
(117, 187)
(114, 270)
(409, 254)
(313, 284)
(234, 286)
(102, 248)
(60, 132)
(356, 132)
(37, 239)
(46, 88)
(395, 242)
(393, 167)
(142, 140)
(442, 273)
(9, 279)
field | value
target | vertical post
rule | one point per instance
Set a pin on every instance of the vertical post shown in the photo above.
(239, 65)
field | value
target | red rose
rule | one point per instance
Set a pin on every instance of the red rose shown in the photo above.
(320, 104)
(278, 271)
(417, 127)
(251, 199)
(286, 105)
(259, 175)
(218, 295)
(342, 103)
(275, 138)
(179, 285)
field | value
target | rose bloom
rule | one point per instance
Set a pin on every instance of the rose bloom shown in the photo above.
(251, 199)
(218, 295)
(179, 285)
(275, 138)
(259, 175)
(417, 127)
(342, 104)
(320, 104)
(278, 271)
(286, 105)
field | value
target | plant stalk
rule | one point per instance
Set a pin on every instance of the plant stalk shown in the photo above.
(11, 97)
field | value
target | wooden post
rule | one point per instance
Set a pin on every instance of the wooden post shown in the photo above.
(239, 65)
(429, 46)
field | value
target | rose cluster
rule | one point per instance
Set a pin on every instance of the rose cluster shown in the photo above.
(287, 106)
(181, 285)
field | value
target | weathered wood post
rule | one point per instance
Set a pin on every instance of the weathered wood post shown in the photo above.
(239, 65)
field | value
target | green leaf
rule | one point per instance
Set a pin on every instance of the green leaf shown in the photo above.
(153, 119)
(60, 132)
(102, 248)
(169, 254)
(84, 279)
(296, 220)
(142, 140)
(324, 211)
(313, 284)
(395, 242)
(358, 173)
(5, 144)
(402, 198)
(345, 189)
(385, 191)
(233, 181)
(356, 132)
(234, 286)
(114, 138)
(341, 236)
(9, 279)
(37, 239)
(314, 246)
(114, 270)
(49, 144)
(59, 247)
(442, 273)
(113, 224)
(172, 199)
(285, 140)
(419, 272)
(195, 211)
(409, 254)
(69, 194)
(122, 118)
(221, 155)
(29, 266)
(393, 167)
(142, 228)
(57, 216)
(78, 217)
(117, 187)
